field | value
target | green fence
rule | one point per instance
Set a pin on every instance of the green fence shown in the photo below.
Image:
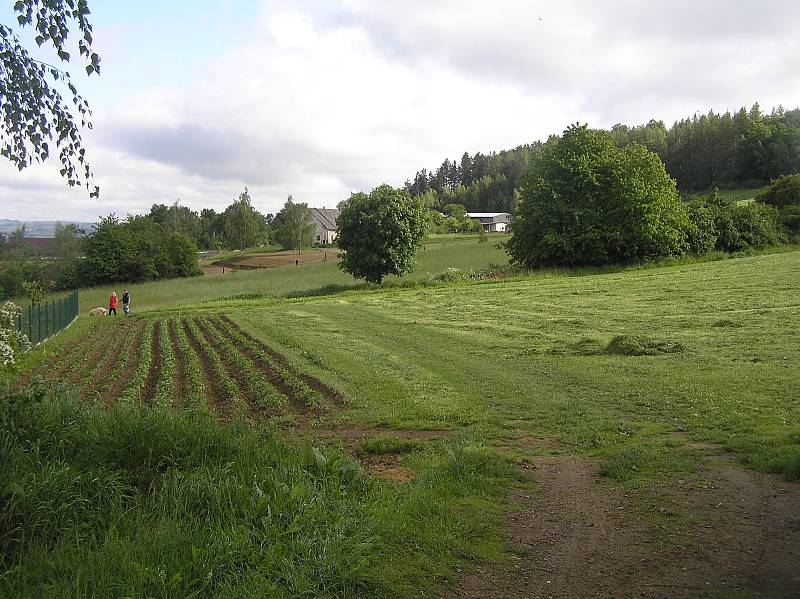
(40, 321)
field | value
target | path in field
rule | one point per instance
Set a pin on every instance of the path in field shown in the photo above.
(723, 530)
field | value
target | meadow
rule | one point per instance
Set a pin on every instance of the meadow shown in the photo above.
(361, 444)
(436, 256)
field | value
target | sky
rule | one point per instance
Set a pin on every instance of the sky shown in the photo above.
(199, 99)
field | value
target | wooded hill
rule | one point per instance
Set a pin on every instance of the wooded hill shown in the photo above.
(744, 149)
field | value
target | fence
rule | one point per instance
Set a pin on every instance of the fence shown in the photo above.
(40, 321)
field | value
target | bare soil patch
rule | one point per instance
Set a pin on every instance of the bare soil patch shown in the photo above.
(131, 358)
(386, 467)
(213, 390)
(723, 530)
(282, 258)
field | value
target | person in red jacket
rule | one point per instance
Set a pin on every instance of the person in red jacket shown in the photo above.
(112, 304)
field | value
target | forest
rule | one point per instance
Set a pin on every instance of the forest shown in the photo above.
(747, 148)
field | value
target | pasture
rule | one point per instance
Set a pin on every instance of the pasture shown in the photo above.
(436, 256)
(643, 427)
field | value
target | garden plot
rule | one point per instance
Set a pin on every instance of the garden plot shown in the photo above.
(202, 363)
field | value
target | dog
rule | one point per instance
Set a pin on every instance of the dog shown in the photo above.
(98, 312)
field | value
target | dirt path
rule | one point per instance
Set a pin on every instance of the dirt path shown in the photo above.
(723, 530)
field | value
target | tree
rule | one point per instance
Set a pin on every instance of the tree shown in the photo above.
(588, 201)
(67, 240)
(379, 233)
(34, 113)
(294, 228)
(243, 225)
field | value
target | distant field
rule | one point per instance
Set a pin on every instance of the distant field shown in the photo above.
(437, 256)
(733, 195)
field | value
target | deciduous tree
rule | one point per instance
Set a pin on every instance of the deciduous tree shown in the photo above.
(293, 225)
(33, 112)
(379, 233)
(588, 201)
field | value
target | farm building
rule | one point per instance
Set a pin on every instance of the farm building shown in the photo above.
(324, 225)
(493, 222)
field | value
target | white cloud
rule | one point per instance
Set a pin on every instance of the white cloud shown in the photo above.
(321, 103)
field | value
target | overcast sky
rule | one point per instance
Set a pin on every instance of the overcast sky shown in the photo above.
(198, 99)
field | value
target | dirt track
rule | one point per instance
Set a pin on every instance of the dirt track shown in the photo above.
(721, 531)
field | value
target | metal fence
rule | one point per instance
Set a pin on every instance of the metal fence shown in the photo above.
(40, 321)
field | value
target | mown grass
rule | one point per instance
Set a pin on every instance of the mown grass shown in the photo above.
(599, 362)
(153, 502)
(439, 254)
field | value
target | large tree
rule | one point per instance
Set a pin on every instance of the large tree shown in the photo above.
(33, 112)
(244, 225)
(587, 201)
(294, 228)
(379, 233)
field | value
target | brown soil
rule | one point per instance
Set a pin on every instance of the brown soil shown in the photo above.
(97, 354)
(299, 408)
(328, 393)
(213, 390)
(722, 530)
(131, 358)
(273, 259)
(100, 378)
(253, 410)
(212, 270)
(385, 467)
(150, 382)
(179, 381)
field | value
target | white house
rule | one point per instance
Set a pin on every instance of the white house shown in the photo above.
(493, 222)
(324, 225)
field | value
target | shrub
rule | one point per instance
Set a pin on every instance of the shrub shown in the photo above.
(744, 226)
(785, 191)
(702, 234)
(12, 341)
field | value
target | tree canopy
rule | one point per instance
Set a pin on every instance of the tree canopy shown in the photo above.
(379, 233)
(587, 201)
(33, 111)
(294, 228)
(244, 226)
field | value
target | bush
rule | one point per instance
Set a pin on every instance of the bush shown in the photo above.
(745, 226)
(703, 233)
(588, 202)
(785, 191)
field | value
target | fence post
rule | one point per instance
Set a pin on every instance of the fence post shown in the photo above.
(30, 324)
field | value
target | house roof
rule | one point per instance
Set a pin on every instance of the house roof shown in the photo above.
(487, 214)
(326, 217)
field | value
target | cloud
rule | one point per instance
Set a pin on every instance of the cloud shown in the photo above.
(319, 100)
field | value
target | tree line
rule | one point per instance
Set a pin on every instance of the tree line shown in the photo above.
(747, 148)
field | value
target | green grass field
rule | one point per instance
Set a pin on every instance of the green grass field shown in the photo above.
(436, 256)
(367, 439)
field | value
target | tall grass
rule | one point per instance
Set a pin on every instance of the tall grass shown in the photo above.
(154, 502)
